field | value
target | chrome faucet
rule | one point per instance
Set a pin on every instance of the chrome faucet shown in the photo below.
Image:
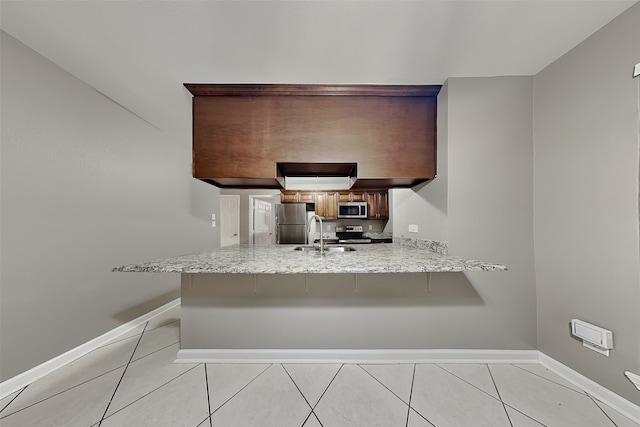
(321, 238)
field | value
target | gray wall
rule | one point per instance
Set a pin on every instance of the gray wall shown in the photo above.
(586, 201)
(86, 186)
(482, 204)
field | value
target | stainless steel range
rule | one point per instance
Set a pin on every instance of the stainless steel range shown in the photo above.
(351, 234)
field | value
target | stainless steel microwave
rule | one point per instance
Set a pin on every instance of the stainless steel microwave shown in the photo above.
(352, 210)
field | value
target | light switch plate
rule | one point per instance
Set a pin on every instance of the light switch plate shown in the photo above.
(413, 228)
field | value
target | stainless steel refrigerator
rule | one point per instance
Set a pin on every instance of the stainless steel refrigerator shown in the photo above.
(291, 223)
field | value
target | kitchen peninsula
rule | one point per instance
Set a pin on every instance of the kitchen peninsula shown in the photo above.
(274, 303)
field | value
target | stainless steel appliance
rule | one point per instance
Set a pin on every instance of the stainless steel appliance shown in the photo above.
(351, 234)
(291, 222)
(352, 210)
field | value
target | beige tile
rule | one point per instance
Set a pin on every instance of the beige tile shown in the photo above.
(540, 370)
(520, 420)
(448, 401)
(312, 421)
(545, 400)
(225, 380)
(181, 402)
(416, 420)
(91, 365)
(8, 399)
(271, 400)
(80, 406)
(157, 339)
(166, 318)
(475, 374)
(312, 379)
(397, 378)
(135, 332)
(354, 398)
(619, 419)
(147, 374)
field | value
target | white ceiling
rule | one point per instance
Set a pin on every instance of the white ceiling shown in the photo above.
(139, 53)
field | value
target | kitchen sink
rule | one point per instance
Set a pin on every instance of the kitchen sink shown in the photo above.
(339, 249)
(306, 248)
(328, 248)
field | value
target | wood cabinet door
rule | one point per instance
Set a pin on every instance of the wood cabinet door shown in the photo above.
(327, 205)
(358, 196)
(331, 207)
(377, 205)
(352, 196)
(306, 196)
(289, 197)
(319, 204)
(383, 205)
(344, 196)
(372, 206)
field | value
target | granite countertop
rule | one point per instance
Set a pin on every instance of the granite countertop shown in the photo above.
(283, 259)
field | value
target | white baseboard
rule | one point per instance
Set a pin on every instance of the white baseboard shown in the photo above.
(620, 404)
(355, 356)
(382, 356)
(24, 379)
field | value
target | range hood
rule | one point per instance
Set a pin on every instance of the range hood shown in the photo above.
(316, 176)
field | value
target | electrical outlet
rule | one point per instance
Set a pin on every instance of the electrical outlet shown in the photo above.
(213, 224)
(413, 228)
(213, 217)
(370, 227)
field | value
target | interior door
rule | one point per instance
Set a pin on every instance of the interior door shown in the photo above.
(262, 222)
(229, 220)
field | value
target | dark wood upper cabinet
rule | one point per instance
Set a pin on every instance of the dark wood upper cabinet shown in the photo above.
(240, 132)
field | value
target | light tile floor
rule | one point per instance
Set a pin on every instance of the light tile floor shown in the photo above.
(133, 382)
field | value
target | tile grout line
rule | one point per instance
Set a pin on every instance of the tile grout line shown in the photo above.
(116, 340)
(473, 385)
(413, 380)
(60, 392)
(528, 416)
(411, 395)
(206, 381)
(582, 392)
(123, 373)
(504, 407)
(156, 351)
(603, 411)
(380, 382)
(156, 389)
(302, 394)
(325, 390)
(79, 384)
(14, 398)
(239, 391)
(313, 410)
